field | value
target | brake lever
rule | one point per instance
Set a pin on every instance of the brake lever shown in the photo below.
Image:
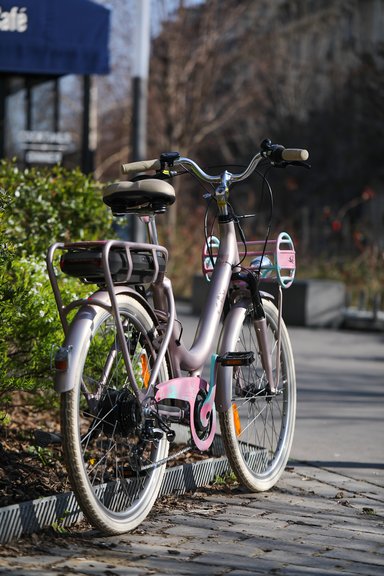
(298, 163)
(160, 175)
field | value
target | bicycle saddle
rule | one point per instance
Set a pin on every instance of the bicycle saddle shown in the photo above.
(146, 196)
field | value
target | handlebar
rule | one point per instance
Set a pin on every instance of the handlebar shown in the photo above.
(141, 166)
(274, 152)
(295, 154)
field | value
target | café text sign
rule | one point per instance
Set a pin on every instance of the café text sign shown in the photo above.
(13, 20)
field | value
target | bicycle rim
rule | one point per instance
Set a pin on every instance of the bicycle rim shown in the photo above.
(258, 428)
(111, 459)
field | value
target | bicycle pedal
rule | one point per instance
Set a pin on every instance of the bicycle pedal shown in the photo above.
(236, 359)
(43, 438)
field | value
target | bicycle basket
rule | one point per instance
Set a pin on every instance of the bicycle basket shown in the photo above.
(276, 262)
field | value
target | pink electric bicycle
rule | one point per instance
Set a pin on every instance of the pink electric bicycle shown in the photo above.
(129, 387)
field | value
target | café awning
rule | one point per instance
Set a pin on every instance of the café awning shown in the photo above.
(53, 37)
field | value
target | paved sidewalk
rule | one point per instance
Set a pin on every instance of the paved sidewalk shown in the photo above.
(314, 522)
(326, 516)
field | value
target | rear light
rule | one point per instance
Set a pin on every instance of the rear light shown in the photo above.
(62, 358)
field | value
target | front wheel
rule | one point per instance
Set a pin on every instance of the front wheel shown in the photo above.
(257, 429)
(113, 455)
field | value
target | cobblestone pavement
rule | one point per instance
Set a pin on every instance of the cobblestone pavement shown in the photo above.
(315, 522)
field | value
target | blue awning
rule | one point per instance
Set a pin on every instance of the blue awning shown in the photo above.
(53, 37)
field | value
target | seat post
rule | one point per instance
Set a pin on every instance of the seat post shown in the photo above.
(150, 224)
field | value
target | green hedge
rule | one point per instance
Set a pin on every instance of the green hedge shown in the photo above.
(37, 208)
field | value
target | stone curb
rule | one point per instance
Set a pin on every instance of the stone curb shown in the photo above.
(62, 510)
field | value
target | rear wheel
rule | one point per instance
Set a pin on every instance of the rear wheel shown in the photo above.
(257, 430)
(112, 452)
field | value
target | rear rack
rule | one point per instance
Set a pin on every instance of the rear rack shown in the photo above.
(274, 260)
(106, 263)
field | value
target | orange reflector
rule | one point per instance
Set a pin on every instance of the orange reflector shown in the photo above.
(145, 369)
(236, 419)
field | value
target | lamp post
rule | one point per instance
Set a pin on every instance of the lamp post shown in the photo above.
(140, 95)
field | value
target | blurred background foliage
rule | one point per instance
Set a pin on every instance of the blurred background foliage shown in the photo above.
(224, 75)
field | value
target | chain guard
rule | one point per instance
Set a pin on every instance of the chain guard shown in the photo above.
(202, 413)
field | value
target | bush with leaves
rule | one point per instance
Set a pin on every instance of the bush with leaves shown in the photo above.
(37, 208)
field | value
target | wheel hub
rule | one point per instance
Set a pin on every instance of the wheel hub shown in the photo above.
(120, 413)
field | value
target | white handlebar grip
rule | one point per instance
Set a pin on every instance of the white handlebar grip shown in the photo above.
(292, 154)
(140, 166)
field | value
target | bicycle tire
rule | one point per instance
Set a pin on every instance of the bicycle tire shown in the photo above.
(257, 429)
(104, 457)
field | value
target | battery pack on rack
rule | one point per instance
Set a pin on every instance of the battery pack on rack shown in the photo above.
(126, 265)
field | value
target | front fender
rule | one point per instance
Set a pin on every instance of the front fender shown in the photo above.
(266, 295)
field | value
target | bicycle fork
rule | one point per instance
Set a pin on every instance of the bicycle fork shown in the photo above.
(260, 325)
(266, 354)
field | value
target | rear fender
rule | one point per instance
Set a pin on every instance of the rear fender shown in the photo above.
(67, 358)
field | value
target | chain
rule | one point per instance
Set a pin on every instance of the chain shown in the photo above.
(165, 460)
